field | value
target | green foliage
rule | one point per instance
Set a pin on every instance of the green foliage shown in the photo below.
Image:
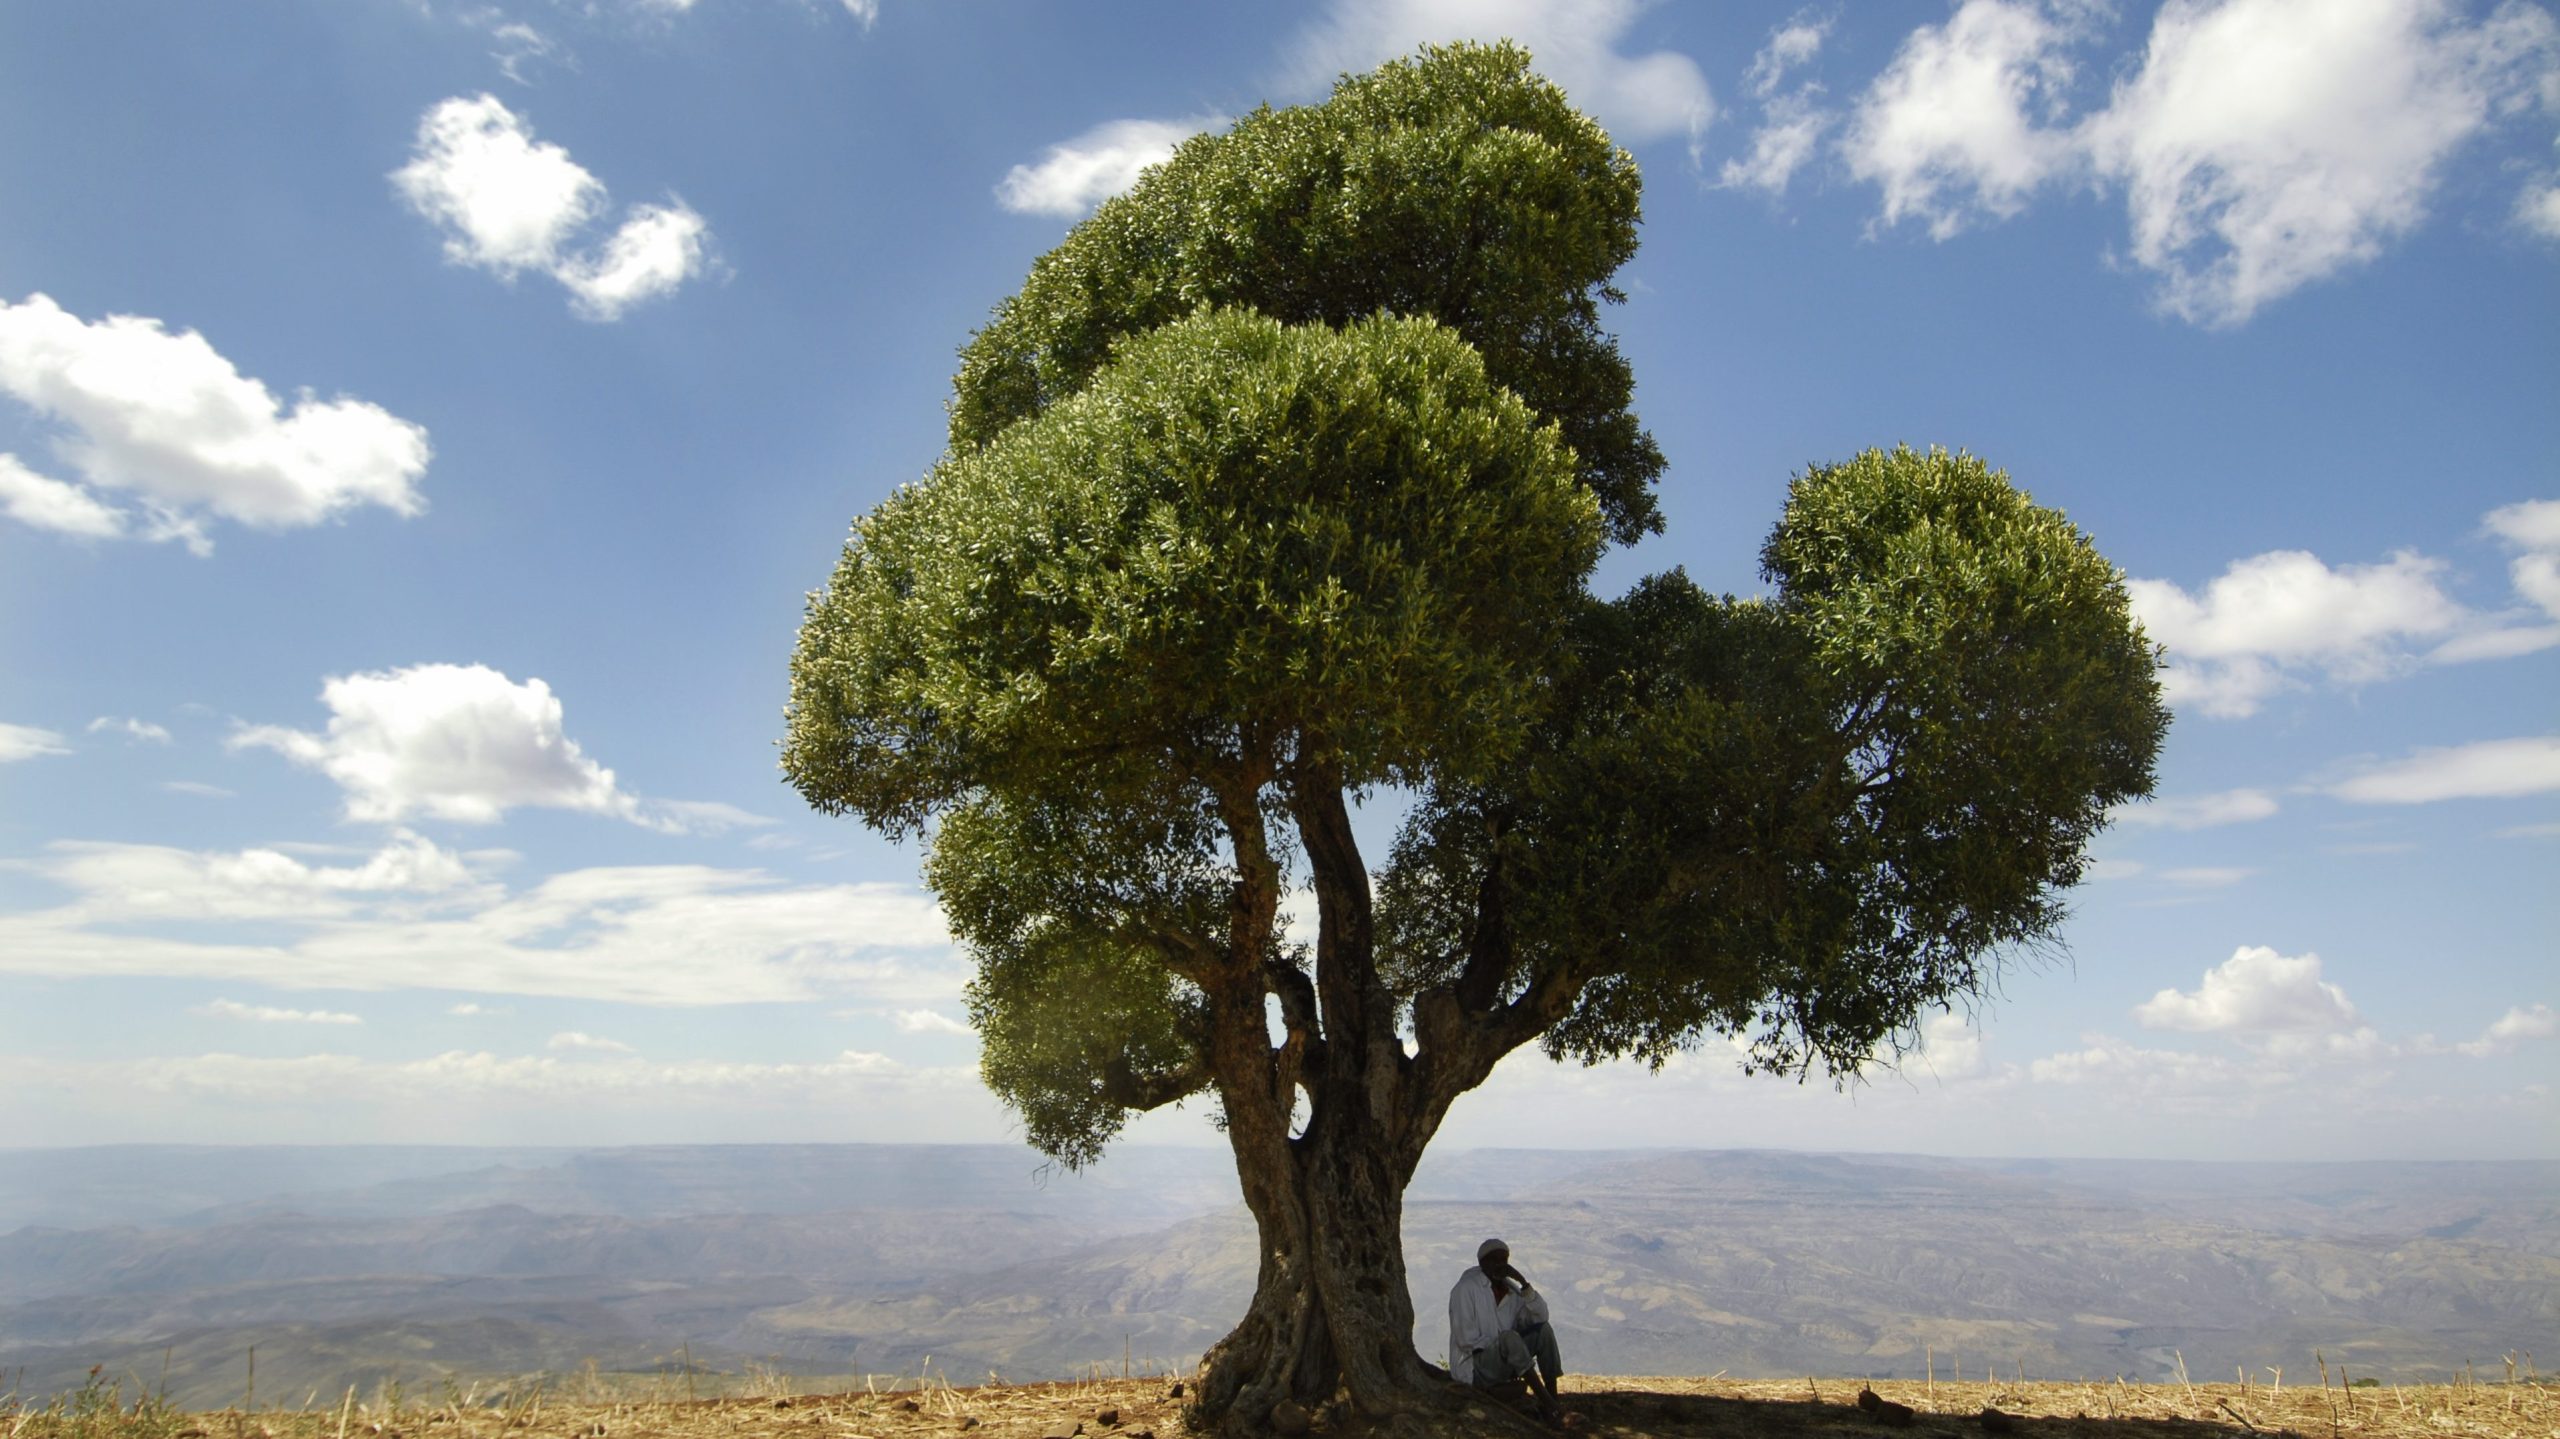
(1242, 538)
(1285, 473)
(1457, 185)
(1804, 820)
(1349, 542)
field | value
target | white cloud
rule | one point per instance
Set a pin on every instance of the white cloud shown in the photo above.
(2266, 144)
(268, 1014)
(405, 919)
(2538, 208)
(2172, 1076)
(1789, 134)
(130, 882)
(460, 1075)
(2269, 619)
(164, 421)
(42, 503)
(866, 11)
(2207, 876)
(1949, 131)
(1790, 45)
(657, 249)
(2202, 811)
(2511, 1029)
(579, 1041)
(930, 1021)
(2532, 526)
(18, 741)
(138, 729)
(1950, 1047)
(2256, 990)
(464, 742)
(198, 788)
(2489, 769)
(1575, 43)
(1102, 162)
(473, 1009)
(509, 203)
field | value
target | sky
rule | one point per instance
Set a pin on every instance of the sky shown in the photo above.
(421, 422)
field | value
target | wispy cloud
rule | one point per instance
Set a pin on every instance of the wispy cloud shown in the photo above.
(269, 1014)
(2199, 811)
(18, 741)
(416, 916)
(2489, 769)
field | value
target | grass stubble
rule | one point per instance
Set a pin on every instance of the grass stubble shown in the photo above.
(768, 1404)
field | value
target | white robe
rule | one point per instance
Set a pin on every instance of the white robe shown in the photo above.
(1477, 1319)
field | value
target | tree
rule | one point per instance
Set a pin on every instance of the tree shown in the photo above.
(1280, 483)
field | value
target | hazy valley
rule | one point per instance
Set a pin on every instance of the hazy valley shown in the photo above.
(357, 1266)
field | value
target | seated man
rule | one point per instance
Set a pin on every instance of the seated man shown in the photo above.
(1498, 1332)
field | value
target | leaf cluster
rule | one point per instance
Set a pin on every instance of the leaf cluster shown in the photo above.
(1799, 821)
(1457, 185)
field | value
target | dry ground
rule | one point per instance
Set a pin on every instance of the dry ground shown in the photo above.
(1620, 1408)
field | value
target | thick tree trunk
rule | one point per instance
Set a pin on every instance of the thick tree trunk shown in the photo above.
(1331, 1313)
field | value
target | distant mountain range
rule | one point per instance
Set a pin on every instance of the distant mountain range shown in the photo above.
(362, 1266)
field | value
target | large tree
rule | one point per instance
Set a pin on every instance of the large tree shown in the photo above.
(1280, 484)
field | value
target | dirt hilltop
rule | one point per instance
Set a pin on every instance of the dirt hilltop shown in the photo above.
(1613, 1406)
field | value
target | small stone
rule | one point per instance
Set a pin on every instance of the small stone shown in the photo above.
(1289, 1417)
(781, 1403)
(909, 1405)
(1107, 1418)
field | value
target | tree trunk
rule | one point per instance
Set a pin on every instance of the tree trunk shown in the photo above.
(1330, 1312)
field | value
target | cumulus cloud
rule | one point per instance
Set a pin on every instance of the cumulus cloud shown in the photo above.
(509, 204)
(930, 1021)
(2173, 1076)
(473, 1009)
(2269, 621)
(1102, 162)
(269, 1014)
(2532, 529)
(1950, 1048)
(18, 741)
(2515, 1027)
(2260, 145)
(2255, 991)
(2489, 769)
(414, 917)
(161, 436)
(1951, 130)
(1579, 44)
(2201, 811)
(464, 742)
(2265, 144)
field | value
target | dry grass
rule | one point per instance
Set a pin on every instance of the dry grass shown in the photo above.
(1623, 1408)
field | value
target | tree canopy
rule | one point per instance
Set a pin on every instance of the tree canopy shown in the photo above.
(1281, 483)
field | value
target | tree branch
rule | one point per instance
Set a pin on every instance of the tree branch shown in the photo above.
(1129, 1089)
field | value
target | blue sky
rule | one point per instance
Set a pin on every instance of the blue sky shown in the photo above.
(420, 421)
